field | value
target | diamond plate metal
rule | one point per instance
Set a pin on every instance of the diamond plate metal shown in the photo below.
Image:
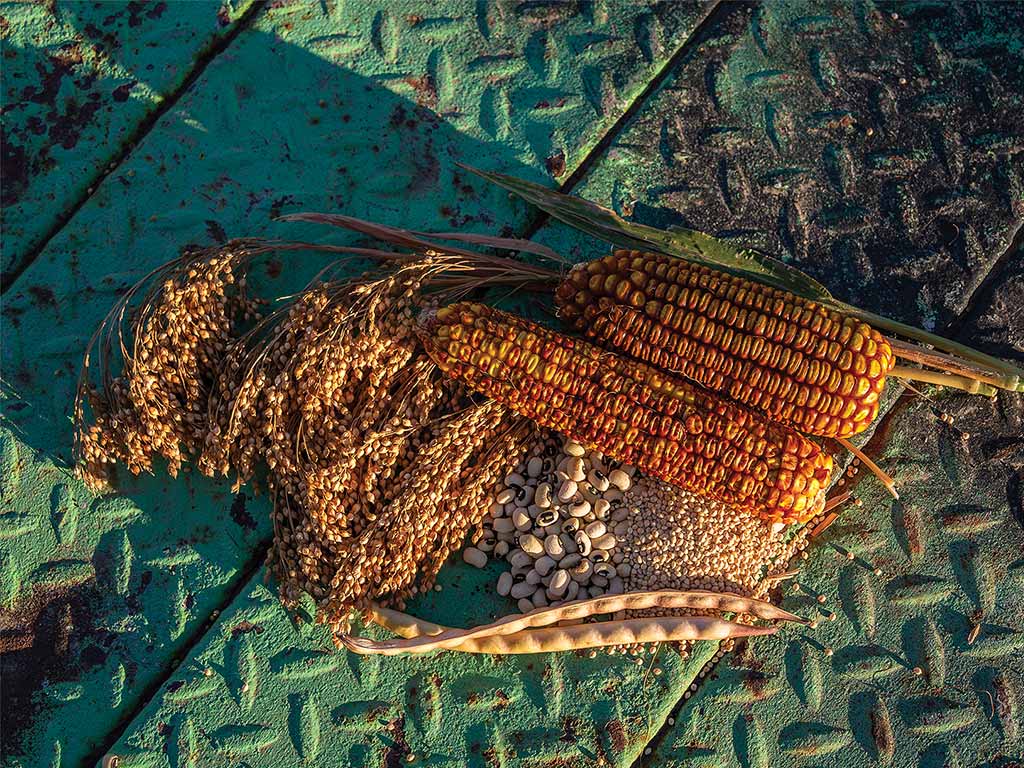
(78, 79)
(262, 689)
(925, 684)
(878, 148)
(337, 106)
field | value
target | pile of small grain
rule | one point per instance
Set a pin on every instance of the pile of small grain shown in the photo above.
(678, 540)
(378, 466)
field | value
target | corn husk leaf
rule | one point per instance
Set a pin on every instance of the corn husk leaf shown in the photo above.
(688, 244)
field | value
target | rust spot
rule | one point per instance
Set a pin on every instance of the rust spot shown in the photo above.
(244, 628)
(122, 92)
(556, 163)
(42, 296)
(240, 514)
(395, 754)
(617, 734)
(425, 88)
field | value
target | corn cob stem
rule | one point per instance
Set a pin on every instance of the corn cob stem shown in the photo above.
(1009, 376)
(887, 481)
(953, 381)
(945, 362)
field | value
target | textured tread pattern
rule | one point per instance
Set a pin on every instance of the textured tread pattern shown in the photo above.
(78, 80)
(356, 107)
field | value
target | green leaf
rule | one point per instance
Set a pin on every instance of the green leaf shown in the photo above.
(683, 243)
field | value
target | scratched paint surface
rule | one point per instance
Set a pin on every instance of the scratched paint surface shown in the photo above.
(78, 78)
(349, 107)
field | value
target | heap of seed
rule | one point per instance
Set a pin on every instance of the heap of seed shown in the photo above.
(378, 465)
(555, 519)
(677, 540)
(156, 407)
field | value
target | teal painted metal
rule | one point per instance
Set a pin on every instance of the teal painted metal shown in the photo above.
(78, 78)
(794, 129)
(901, 676)
(352, 107)
(270, 692)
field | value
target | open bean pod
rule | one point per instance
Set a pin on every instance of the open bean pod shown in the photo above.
(422, 637)
(657, 629)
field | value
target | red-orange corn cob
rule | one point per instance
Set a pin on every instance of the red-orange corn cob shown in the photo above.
(665, 426)
(796, 361)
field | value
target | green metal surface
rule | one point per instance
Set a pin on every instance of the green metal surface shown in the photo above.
(138, 622)
(357, 107)
(849, 139)
(78, 79)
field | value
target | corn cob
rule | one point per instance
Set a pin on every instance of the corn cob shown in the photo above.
(796, 361)
(632, 412)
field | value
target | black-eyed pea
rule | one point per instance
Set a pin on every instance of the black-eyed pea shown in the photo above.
(515, 478)
(554, 547)
(542, 496)
(569, 542)
(535, 466)
(616, 586)
(620, 479)
(570, 561)
(573, 448)
(501, 548)
(503, 525)
(544, 565)
(597, 480)
(572, 592)
(519, 559)
(539, 598)
(497, 510)
(525, 605)
(487, 543)
(598, 581)
(579, 509)
(521, 519)
(505, 584)
(605, 541)
(474, 557)
(559, 584)
(531, 545)
(522, 589)
(547, 517)
(601, 507)
(505, 496)
(524, 496)
(570, 525)
(567, 490)
(582, 571)
(583, 543)
(599, 555)
(532, 577)
(605, 570)
(595, 529)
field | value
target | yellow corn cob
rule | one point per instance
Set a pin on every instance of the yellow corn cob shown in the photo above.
(632, 412)
(796, 361)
